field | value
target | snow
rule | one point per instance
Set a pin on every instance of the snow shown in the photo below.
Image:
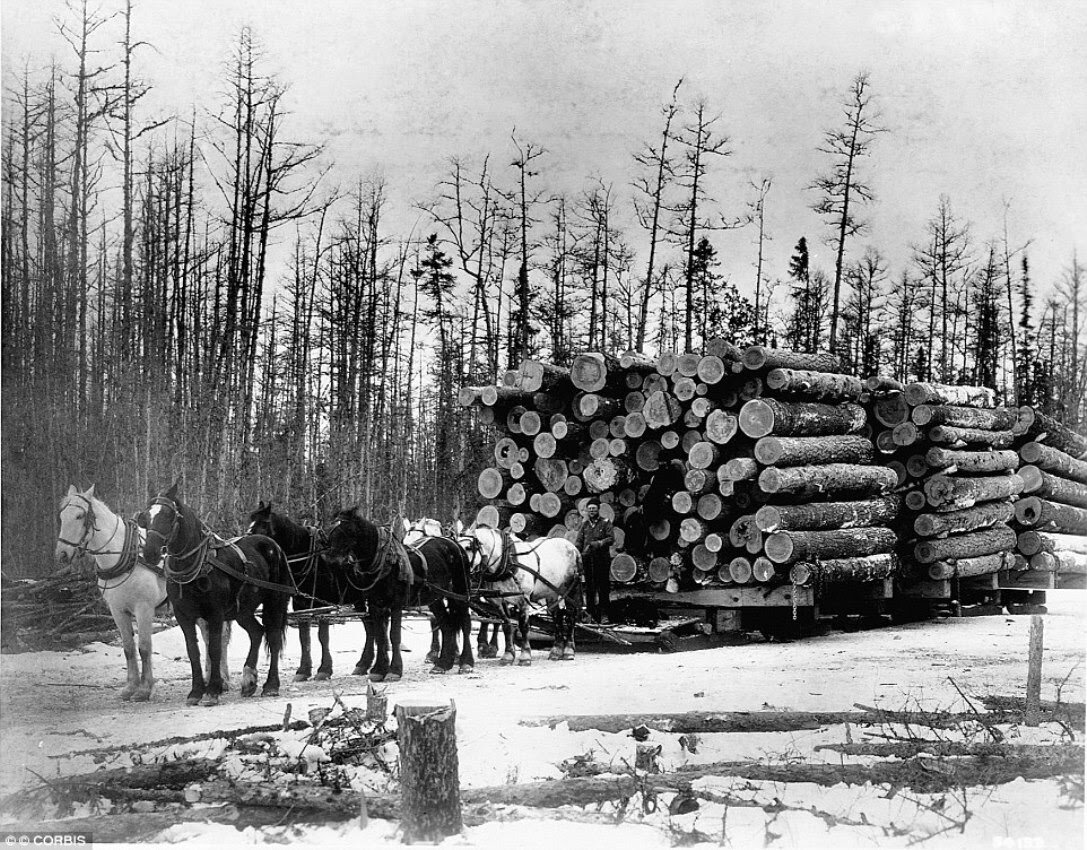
(54, 704)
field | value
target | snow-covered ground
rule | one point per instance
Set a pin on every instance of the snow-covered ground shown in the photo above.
(55, 703)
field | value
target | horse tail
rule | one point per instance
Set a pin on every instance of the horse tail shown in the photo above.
(276, 602)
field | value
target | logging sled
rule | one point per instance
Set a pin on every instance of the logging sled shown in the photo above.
(766, 490)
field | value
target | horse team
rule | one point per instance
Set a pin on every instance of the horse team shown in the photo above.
(169, 555)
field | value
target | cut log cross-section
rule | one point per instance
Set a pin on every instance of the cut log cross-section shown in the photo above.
(1041, 428)
(661, 410)
(552, 473)
(763, 417)
(590, 372)
(1032, 542)
(891, 410)
(537, 375)
(606, 474)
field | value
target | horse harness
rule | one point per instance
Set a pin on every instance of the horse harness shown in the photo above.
(508, 564)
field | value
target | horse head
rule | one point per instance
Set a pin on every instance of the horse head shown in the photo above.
(263, 521)
(162, 520)
(352, 539)
(77, 523)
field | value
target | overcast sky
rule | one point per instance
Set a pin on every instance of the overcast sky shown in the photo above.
(984, 100)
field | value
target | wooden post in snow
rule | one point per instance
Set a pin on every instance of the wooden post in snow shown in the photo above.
(429, 770)
(1034, 671)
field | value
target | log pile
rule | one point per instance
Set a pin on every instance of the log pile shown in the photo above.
(772, 468)
(951, 449)
(59, 612)
(1051, 514)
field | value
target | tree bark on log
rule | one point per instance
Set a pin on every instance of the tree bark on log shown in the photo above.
(763, 417)
(1054, 461)
(820, 386)
(811, 481)
(970, 567)
(942, 490)
(996, 419)
(786, 547)
(729, 353)
(868, 568)
(828, 515)
(760, 357)
(429, 772)
(961, 521)
(638, 362)
(1033, 424)
(949, 435)
(491, 396)
(922, 393)
(1033, 511)
(972, 462)
(1053, 488)
(1033, 542)
(988, 541)
(803, 451)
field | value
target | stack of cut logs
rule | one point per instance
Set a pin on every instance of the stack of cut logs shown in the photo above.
(1051, 515)
(951, 449)
(768, 466)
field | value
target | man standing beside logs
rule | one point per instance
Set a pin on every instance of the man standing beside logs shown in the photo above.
(594, 541)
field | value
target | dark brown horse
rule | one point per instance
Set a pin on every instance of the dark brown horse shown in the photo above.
(217, 580)
(388, 577)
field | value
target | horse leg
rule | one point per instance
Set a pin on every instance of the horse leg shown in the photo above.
(224, 659)
(435, 642)
(188, 628)
(525, 657)
(214, 687)
(274, 615)
(366, 660)
(248, 621)
(466, 663)
(325, 670)
(444, 662)
(305, 666)
(508, 655)
(143, 632)
(396, 669)
(123, 620)
(560, 633)
(381, 646)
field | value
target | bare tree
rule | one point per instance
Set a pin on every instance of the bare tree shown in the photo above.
(841, 189)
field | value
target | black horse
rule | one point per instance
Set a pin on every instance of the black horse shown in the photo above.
(389, 577)
(313, 576)
(212, 579)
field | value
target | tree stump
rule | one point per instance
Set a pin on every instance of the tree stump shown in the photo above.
(429, 771)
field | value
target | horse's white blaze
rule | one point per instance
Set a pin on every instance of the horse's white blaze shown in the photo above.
(154, 512)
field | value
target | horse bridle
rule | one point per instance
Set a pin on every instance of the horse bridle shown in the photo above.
(89, 527)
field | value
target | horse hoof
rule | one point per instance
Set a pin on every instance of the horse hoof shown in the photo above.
(393, 677)
(438, 671)
(506, 660)
(302, 677)
(554, 656)
(360, 671)
(126, 694)
(377, 677)
(269, 692)
(192, 701)
(248, 690)
(322, 676)
(431, 658)
(568, 655)
(466, 668)
(142, 695)
(209, 700)
(524, 661)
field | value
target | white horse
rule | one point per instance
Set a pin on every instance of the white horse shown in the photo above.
(132, 589)
(530, 577)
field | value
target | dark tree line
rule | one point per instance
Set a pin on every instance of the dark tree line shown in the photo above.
(191, 297)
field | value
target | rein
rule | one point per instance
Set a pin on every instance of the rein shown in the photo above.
(128, 553)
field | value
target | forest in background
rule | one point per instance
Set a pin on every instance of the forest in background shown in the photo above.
(189, 297)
